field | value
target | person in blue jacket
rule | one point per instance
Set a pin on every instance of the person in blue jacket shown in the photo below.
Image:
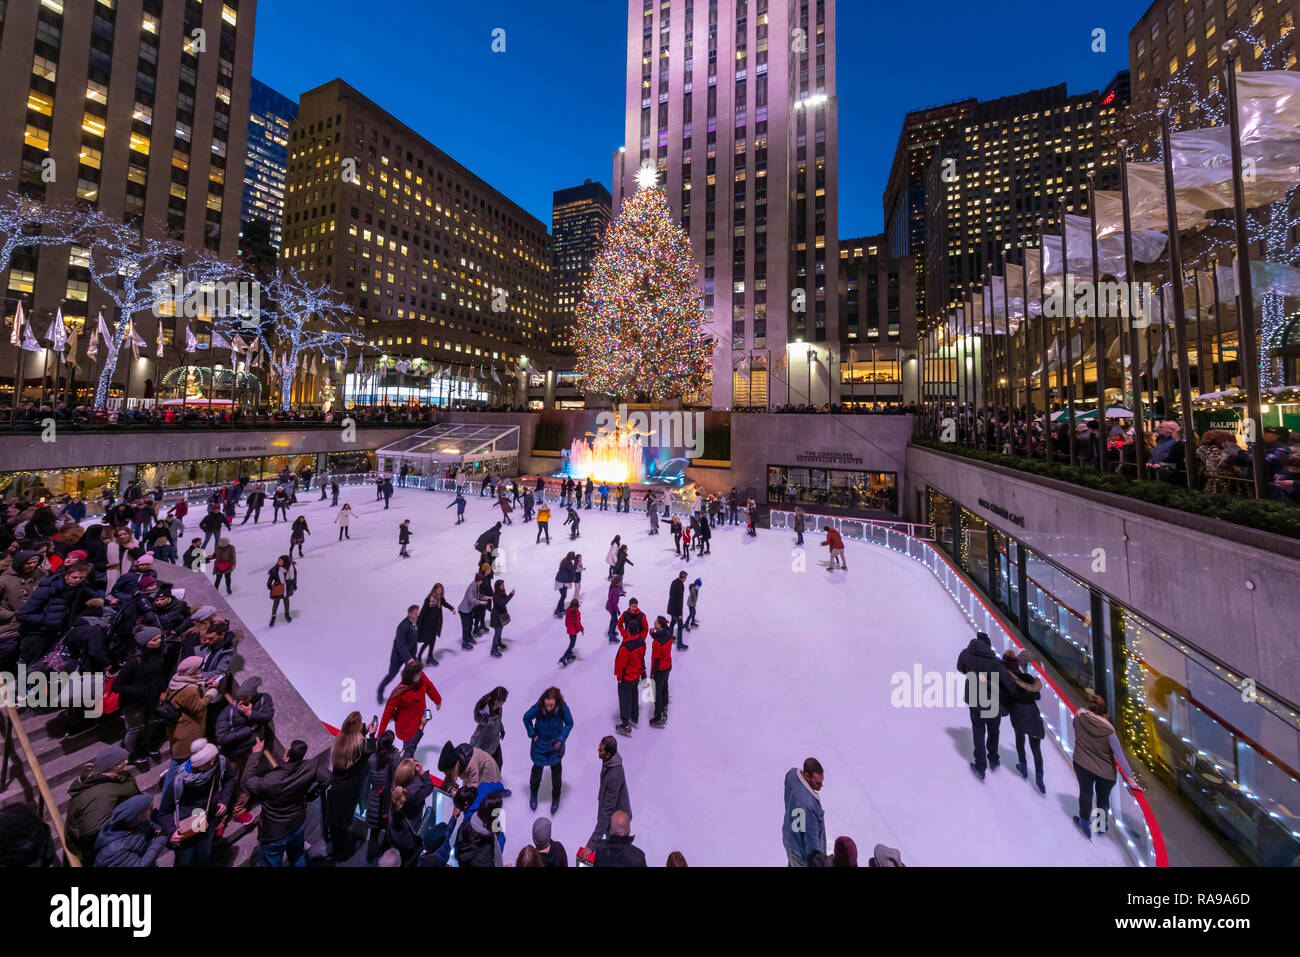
(548, 724)
(803, 829)
(459, 502)
(130, 838)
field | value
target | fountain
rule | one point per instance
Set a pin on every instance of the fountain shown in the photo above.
(610, 455)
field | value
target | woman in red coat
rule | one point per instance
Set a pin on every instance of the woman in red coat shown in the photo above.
(405, 707)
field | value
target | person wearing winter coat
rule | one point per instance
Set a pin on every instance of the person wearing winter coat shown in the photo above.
(621, 561)
(212, 525)
(298, 534)
(52, 609)
(479, 841)
(574, 520)
(92, 797)
(675, 527)
(200, 784)
(618, 850)
(1097, 750)
(381, 765)
(469, 765)
(281, 583)
(459, 502)
(573, 627)
(503, 503)
(469, 606)
(803, 828)
(676, 603)
(800, 524)
(138, 685)
(387, 488)
(239, 727)
(500, 615)
(194, 557)
(129, 838)
(686, 544)
(836, 545)
(405, 707)
(547, 724)
(611, 796)
(406, 643)
(280, 505)
(549, 850)
(661, 663)
(412, 786)
(704, 539)
(17, 584)
(985, 674)
(611, 606)
(491, 537)
(604, 497)
(543, 523)
(428, 625)
(1020, 690)
(343, 519)
(692, 599)
(629, 665)
(488, 727)
(528, 504)
(563, 579)
(652, 511)
(223, 563)
(611, 556)
(283, 792)
(404, 538)
(188, 694)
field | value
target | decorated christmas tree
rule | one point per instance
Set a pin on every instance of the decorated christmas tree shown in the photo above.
(640, 327)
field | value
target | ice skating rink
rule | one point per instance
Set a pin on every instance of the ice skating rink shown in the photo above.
(789, 661)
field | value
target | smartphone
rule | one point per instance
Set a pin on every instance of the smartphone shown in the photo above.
(374, 719)
(428, 715)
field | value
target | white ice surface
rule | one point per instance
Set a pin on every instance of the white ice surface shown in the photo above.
(785, 664)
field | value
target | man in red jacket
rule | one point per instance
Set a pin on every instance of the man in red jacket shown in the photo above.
(661, 662)
(837, 550)
(629, 665)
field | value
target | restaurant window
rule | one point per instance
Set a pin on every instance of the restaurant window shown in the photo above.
(940, 515)
(1060, 619)
(832, 488)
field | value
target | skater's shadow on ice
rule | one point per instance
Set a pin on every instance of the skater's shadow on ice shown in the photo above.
(962, 741)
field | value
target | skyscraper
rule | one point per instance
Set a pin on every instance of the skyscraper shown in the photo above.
(879, 361)
(137, 108)
(1005, 164)
(734, 103)
(578, 223)
(434, 262)
(905, 208)
(270, 114)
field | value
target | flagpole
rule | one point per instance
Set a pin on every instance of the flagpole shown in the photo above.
(1011, 354)
(1249, 358)
(988, 361)
(963, 381)
(1168, 390)
(1220, 377)
(1045, 329)
(1200, 336)
(1098, 327)
(1067, 313)
(18, 363)
(1180, 310)
(1029, 385)
(1135, 357)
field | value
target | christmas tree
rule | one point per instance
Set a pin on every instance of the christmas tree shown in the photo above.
(640, 328)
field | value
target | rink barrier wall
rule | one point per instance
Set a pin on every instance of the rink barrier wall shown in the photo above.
(1130, 810)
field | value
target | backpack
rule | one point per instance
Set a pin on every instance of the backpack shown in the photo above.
(167, 712)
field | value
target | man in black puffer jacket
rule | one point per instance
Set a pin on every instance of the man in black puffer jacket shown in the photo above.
(238, 728)
(58, 601)
(284, 792)
(142, 679)
(985, 674)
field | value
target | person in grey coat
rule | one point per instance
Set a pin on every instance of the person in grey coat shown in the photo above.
(612, 795)
(803, 829)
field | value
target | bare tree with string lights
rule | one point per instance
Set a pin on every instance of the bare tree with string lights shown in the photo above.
(1274, 225)
(26, 222)
(299, 317)
(140, 274)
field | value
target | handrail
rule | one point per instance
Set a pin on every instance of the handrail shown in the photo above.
(971, 602)
(42, 785)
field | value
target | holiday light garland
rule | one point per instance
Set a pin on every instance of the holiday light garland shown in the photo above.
(640, 327)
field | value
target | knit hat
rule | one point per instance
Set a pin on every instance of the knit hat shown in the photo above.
(145, 559)
(146, 634)
(541, 832)
(884, 856)
(202, 753)
(204, 613)
(447, 758)
(248, 688)
(698, 583)
(23, 556)
(846, 852)
(435, 836)
(146, 582)
(76, 555)
(109, 758)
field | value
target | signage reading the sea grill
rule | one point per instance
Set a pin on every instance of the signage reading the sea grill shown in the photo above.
(243, 448)
(829, 458)
(999, 510)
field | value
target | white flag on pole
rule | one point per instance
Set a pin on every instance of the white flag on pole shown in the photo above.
(219, 341)
(110, 342)
(191, 343)
(495, 377)
(16, 337)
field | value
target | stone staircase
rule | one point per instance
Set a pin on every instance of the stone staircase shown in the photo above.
(63, 744)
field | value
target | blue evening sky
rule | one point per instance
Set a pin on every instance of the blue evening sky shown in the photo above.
(548, 113)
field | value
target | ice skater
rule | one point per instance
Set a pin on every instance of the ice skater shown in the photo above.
(675, 526)
(503, 503)
(467, 609)
(528, 505)
(298, 533)
(281, 583)
(429, 624)
(547, 725)
(574, 520)
(661, 662)
(573, 626)
(604, 496)
(692, 598)
(279, 505)
(459, 502)
(611, 557)
(629, 666)
(676, 603)
(621, 562)
(752, 511)
(1021, 693)
(563, 579)
(334, 494)
(543, 523)
(611, 606)
(500, 616)
(590, 490)
(386, 488)
(404, 538)
(652, 510)
(344, 520)
(800, 523)
(577, 576)
(686, 545)
(406, 642)
(836, 545)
